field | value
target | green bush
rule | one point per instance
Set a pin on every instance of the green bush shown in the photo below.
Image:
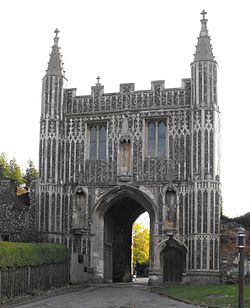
(17, 255)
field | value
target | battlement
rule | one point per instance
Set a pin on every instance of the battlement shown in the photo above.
(128, 98)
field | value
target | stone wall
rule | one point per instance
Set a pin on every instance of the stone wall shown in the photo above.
(229, 253)
(17, 214)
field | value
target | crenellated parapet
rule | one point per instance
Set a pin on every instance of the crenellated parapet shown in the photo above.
(128, 99)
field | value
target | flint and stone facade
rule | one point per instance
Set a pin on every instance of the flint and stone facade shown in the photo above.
(105, 158)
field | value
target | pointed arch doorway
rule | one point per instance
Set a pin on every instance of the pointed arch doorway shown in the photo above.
(173, 258)
(119, 209)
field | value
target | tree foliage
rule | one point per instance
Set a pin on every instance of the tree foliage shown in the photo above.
(31, 173)
(15, 172)
(243, 220)
(4, 165)
(11, 170)
(140, 244)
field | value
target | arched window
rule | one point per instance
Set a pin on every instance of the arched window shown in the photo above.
(97, 142)
(156, 139)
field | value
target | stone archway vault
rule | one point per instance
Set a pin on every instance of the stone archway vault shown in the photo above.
(113, 217)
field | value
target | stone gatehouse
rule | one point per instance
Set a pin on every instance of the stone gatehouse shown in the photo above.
(105, 158)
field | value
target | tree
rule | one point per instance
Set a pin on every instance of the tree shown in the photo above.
(140, 238)
(11, 170)
(15, 172)
(31, 173)
(4, 165)
(243, 220)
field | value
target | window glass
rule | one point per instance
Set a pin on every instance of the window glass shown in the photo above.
(161, 140)
(102, 143)
(97, 143)
(93, 143)
(151, 139)
(156, 139)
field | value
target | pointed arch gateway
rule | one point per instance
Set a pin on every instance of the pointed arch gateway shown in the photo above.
(115, 214)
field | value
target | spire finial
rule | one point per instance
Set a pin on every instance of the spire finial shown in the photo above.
(203, 48)
(98, 80)
(56, 38)
(57, 31)
(55, 65)
(204, 31)
(203, 13)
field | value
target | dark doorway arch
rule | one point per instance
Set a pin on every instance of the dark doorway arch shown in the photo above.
(173, 258)
(120, 208)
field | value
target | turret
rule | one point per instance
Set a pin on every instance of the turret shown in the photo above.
(204, 69)
(55, 65)
(205, 117)
(205, 201)
(51, 116)
(52, 91)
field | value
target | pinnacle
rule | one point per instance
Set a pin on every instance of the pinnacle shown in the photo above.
(204, 47)
(55, 65)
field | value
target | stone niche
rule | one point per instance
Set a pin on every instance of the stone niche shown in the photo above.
(169, 210)
(79, 215)
(125, 153)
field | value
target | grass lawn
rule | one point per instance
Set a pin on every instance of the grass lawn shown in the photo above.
(209, 296)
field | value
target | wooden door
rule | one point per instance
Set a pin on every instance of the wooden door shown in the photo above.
(173, 265)
(108, 262)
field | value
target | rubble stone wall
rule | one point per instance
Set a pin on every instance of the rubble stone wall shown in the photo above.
(17, 214)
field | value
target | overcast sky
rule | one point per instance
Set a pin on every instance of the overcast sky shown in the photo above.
(126, 41)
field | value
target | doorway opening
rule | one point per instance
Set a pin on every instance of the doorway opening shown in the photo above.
(173, 258)
(121, 208)
(140, 248)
